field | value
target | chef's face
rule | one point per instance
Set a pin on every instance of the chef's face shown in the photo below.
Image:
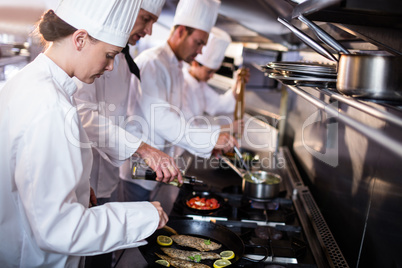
(201, 72)
(191, 45)
(142, 26)
(97, 57)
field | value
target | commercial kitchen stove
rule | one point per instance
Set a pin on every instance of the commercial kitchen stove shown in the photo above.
(290, 227)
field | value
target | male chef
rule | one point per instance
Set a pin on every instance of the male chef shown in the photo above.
(162, 83)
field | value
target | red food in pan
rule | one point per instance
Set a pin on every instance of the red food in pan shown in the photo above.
(203, 203)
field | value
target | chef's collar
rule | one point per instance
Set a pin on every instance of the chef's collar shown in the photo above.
(172, 57)
(60, 77)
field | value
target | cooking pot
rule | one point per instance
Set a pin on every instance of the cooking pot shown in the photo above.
(265, 187)
(261, 185)
(208, 230)
(368, 75)
(376, 76)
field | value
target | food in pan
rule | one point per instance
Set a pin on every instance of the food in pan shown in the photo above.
(195, 242)
(195, 256)
(203, 203)
(164, 240)
(180, 263)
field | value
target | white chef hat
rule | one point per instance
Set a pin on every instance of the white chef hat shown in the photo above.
(110, 21)
(153, 6)
(198, 14)
(214, 52)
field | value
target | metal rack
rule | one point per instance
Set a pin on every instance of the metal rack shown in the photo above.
(376, 135)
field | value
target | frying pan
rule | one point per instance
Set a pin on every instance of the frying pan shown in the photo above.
(220, 200)
(365, 75)
(208, 230)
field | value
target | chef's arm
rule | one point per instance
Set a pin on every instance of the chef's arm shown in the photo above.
(168, 122)
(110, 138)
(164, 165)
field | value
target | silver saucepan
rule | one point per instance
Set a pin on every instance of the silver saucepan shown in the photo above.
(262, 184)
(371, 74)
(266, 186)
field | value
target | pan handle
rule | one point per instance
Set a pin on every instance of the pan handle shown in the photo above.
(323, 35)
(232, 166)
(308, 41)
(257, 246)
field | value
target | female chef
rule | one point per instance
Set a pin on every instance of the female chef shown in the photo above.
(46, 157)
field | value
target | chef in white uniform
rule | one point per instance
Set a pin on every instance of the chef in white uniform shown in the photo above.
(46, 156)
(199, 96)
(162, 83)
(103, 112)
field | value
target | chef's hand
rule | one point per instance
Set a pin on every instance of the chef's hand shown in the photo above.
(92, 198)
(225, 143)
(237, 127)
(164, 166)
(163, 217)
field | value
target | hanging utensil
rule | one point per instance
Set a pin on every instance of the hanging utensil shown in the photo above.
(324, 36)
(310, 42)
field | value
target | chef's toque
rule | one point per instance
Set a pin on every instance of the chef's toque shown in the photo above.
(198, 14)
(214, 52)
(110, 21)
(153, 6)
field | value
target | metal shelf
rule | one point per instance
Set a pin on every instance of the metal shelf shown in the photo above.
(376, 135)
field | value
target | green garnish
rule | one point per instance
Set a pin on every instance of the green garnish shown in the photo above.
(196, 258)
(207, 242)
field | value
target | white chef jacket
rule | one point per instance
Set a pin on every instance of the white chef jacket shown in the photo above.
(202, 99)
(159, 102)
(103, 113)
(44, 179)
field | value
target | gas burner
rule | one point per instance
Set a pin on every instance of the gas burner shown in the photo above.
(270, 223)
